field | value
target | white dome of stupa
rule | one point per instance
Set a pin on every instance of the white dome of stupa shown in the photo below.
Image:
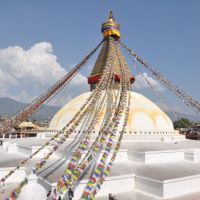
(32, 190)
(144, 115)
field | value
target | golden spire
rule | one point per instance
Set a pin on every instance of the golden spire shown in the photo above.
(110, 28)
(110, 16)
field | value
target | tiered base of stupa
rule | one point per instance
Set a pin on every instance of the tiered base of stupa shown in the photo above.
(169, 168)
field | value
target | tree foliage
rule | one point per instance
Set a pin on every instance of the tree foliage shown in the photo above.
(182, 123)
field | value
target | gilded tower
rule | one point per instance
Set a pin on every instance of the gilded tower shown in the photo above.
(109, 29)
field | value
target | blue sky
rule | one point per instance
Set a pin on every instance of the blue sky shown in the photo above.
(164, 33)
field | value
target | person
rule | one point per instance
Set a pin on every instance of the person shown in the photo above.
(70, 194)
(49, 193)
(2, 181)
(111, 197)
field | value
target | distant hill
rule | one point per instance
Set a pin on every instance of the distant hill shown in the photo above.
(9, 107)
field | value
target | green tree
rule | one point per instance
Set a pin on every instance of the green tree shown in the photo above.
(182, 123)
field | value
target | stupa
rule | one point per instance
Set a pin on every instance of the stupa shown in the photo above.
(145, 118)
(154, 160)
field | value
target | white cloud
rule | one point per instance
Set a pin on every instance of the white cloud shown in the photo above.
(25, 74)
(141, 83)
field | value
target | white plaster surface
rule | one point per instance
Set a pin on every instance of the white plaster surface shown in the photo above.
(167, 177)
(138, 195)
(32, 190)
(8, 189)
(19, 175)
(142, 111)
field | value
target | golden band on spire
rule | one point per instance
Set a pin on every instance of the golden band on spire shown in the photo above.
(110, 28)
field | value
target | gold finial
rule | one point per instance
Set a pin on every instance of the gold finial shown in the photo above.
(110, 16)
(110, 28)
